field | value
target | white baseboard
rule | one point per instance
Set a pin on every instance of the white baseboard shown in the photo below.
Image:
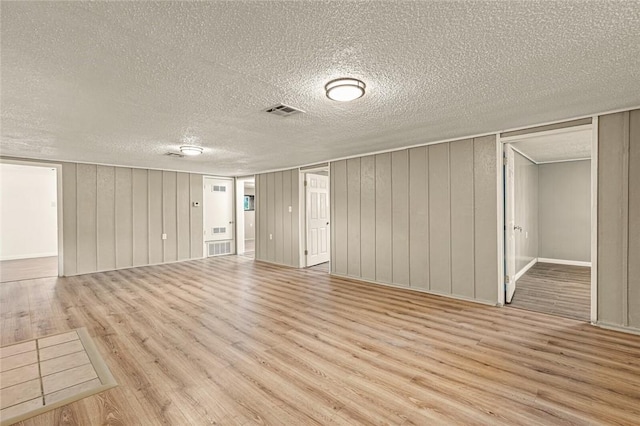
(28, 256)
(524, 270)
(621, 328)
(564, 262)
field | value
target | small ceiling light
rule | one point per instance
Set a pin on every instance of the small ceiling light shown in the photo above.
(344, 89)
(191, 150)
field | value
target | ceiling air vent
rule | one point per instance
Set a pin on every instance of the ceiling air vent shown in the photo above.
(283, 110)
(174, 154)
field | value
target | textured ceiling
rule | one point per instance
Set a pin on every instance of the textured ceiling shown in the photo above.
(562, 146)
(125, 82)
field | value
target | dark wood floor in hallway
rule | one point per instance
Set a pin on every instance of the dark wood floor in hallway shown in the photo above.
(563, 290)
(233, 341)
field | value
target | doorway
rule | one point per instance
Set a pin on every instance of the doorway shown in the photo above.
(29, 247)
(219, 232)
(317, 226)
(549, 226)
(245, 216)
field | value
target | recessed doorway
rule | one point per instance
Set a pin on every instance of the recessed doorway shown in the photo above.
(317, 225)
(29, 247)
(549, 227)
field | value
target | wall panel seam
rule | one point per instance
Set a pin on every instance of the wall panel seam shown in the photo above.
(625, 217)
(450, 219)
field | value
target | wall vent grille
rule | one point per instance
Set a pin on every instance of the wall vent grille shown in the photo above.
(219, 188)
(219, 248)
(220, 230)
(283, 110)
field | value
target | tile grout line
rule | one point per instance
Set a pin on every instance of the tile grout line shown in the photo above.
(40, 372)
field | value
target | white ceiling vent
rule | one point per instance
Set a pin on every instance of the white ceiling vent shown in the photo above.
(283, 110)
(174, 154)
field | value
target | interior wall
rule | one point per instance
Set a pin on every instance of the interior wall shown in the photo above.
(28, 212)
(619, 219)
(277, 217)
(526, 210)
(114, 217)
(565, 210)
(422, 218)
(249, 217)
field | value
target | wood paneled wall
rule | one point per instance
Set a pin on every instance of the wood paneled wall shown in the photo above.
(114, 217)
(422, 218)
(277, 228)
(619, 219)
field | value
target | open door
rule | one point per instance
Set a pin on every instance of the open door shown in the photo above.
(218, 216)
(510, 225)
(317, 215)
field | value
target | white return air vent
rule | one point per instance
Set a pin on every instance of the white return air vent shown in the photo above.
(283, 110)
(216, 248)
(219, 188)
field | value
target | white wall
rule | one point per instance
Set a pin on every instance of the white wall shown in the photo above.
(249, 217)
(565, 210)
(28, 215)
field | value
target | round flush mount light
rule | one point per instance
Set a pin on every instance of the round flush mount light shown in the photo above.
(344, 89)
(191, 150)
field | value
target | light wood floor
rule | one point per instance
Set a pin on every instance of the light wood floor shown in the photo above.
(26, 269)
(230, 341)
(562, 290)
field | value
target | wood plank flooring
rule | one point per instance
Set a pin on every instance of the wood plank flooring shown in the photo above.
(231, 341)
(562, 290)
(26, 269)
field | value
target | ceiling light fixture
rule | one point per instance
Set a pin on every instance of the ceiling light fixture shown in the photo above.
(344, 89)
(191, 150)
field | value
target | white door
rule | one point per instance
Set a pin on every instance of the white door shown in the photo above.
(317, 209)
(218, 216)
(510, 225)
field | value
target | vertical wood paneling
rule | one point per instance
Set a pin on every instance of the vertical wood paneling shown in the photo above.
(196, 183)
(439, 219)
(279, 219)
(368, 217)
(155, 217)
(169, 216)
(384, 220)
(183, 207)
(400, 216)
(485, 195)
(106, 220)
(107, 217)
(275, 193)
(140, 217)
(271, 217)
(70, 218)
(339, 176)
(634, 219)
(462, 219)
(124, 216)
(295, 217)
(286, 217)
(611, 200)
(353, 216)
(262, 233)
(87, 213)
(419, 218)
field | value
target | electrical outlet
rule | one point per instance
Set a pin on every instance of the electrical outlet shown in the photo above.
(290, 209)
(164, 236)
(271, 236)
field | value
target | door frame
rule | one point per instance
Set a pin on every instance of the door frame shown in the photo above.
(302, 198)
(59, 199)
(502, 232)
(239, 211)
